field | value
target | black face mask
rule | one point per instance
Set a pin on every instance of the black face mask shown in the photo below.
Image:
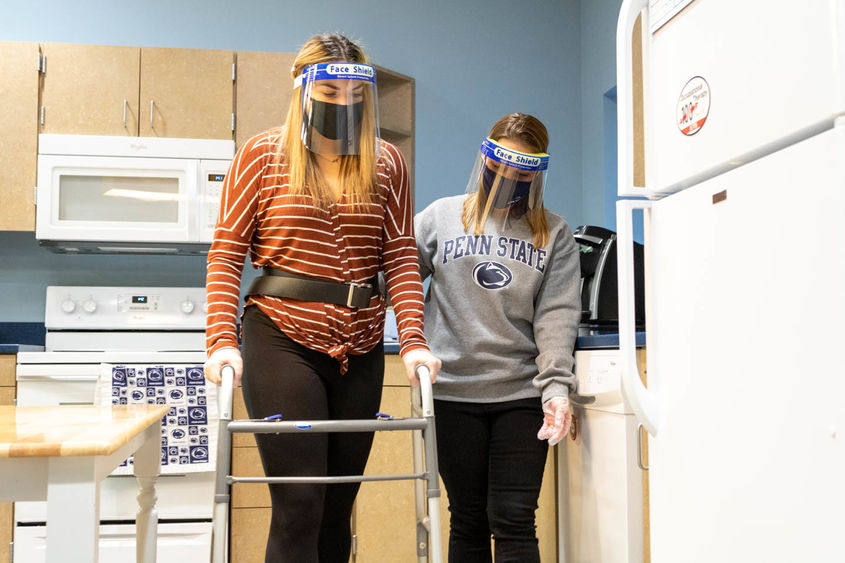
(510, 190)
(332, 121)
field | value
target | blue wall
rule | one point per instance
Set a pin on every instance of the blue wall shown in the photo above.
(598, 130)
(473, 61)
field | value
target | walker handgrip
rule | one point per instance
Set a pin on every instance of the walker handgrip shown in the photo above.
(427, 395)
(224, 401)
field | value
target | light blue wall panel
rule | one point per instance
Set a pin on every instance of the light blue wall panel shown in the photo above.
(473, 61)
(598, 77)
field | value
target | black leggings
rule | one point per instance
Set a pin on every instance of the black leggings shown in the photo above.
(310, 522)
(492, 466)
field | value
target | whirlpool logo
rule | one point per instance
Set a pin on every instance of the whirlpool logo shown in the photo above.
(492, 275)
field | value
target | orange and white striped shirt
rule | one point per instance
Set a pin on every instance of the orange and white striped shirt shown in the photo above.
(259, 216)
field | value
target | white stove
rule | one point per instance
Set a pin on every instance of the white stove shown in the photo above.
(134, 330)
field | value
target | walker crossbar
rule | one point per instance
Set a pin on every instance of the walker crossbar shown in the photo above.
(323, 426)
(330, 479)
(427, 486)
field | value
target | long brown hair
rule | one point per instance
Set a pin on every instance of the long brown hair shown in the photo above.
(529, 131)
(357, 172)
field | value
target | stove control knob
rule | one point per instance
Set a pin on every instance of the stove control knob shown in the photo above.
(187, 307)
(68, 306)
(89, 306)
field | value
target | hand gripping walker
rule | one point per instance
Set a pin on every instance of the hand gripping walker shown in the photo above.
(424, 452)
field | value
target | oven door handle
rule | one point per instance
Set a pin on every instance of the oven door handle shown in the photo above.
(21, 377)
(58, 372)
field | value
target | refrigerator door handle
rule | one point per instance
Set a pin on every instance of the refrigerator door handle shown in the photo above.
(642, 401)
(624, 95)
(640, 463)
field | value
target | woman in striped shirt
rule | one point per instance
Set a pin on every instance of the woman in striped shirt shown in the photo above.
(322, 205)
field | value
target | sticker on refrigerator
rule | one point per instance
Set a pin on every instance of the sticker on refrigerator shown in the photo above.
(693, 106)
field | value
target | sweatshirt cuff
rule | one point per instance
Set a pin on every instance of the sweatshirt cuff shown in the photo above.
(555, 389)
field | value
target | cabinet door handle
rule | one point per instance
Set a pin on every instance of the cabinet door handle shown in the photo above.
(152, 106)
(41, 117)
(125, 103)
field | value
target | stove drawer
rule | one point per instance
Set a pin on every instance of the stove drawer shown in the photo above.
(52, 390)
(177, 543)
(180, 497)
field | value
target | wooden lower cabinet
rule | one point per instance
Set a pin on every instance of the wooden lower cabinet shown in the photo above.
(249, 534)
(384, 521)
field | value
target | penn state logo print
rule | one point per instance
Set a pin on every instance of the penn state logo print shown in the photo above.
(492, 275)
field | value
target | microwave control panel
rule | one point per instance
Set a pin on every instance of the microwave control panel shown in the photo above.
(212, 174)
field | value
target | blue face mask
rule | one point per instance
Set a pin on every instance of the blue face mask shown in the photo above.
(510, 191)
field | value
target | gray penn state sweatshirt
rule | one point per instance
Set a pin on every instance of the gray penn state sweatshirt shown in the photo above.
(500, 314)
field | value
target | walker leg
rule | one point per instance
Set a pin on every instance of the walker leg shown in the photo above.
(220, 519)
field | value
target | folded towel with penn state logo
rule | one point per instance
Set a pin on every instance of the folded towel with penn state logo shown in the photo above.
(188, 430)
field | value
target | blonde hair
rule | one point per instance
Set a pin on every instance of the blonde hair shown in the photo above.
(357, 172)
(530, 131)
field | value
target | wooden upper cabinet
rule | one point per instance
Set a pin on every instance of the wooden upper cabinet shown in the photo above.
(90, 89)
(264, 87)
(151, 92)
(396, 113)
(186, 93)
(18, 134)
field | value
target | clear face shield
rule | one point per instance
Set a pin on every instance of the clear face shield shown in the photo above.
(508, 181)
(339, 109)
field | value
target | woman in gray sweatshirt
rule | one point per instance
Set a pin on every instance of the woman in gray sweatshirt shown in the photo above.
(502, 313)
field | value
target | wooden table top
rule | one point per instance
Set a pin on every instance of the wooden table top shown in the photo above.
(72, 430)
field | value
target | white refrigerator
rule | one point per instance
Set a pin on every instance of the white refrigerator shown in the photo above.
(744, 135)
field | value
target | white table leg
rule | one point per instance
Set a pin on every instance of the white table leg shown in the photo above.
(147, 464)
(73, 510)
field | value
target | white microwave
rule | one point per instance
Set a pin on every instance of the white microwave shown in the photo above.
(144, 195)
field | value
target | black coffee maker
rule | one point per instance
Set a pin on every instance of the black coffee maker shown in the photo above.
(599, 286)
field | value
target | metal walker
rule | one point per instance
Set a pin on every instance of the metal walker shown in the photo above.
(426, 486)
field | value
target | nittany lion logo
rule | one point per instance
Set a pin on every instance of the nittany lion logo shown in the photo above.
(492, 275)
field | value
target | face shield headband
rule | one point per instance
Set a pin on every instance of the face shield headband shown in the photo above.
(338, 102)
(510, 177)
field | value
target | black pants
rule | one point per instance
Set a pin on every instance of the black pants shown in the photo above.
(492, 466)
(310, 522)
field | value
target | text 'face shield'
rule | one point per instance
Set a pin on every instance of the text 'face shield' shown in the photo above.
(507, 179)
(339, 109)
